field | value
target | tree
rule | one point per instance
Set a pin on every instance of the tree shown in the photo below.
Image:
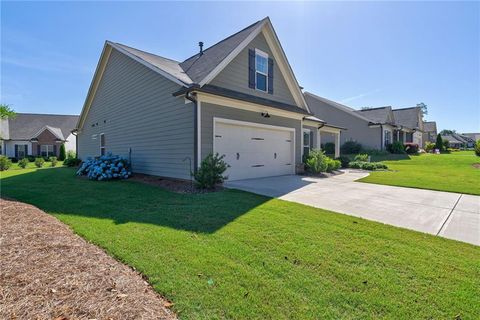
(6, 112)
(477, 148)
(439, 142)
(423, 107)
(446, 144)
(62, 152)
(445, 132)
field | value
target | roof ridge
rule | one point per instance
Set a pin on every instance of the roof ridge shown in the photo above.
(406, 108)
(376, 108)
(154, 54)
(224, 39)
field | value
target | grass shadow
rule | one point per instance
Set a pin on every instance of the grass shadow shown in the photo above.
(60, 191)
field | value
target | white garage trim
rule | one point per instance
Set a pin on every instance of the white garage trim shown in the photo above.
(256, 125)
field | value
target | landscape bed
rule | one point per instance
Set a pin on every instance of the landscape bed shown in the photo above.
(453, 172)
(232, 254)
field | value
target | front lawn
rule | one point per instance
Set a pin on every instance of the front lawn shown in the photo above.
(237, 255)
(454, 172)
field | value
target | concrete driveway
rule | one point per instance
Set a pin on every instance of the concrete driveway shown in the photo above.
(450, 215)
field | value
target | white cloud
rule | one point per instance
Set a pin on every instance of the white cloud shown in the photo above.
(359, 96)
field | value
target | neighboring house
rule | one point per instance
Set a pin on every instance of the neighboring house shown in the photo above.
(467, 142)
(359, 127)
(409, 123)
(429, 132)
(239, 98)
(383, 120)
(474, 136)
(453, 142)
(37, 134)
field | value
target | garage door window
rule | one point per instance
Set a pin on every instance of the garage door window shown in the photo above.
(307, 142)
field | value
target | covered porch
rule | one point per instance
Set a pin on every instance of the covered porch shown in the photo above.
(325, 134)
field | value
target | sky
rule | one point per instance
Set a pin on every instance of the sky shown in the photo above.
(362, 54)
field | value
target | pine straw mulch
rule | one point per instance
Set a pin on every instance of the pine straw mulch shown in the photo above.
(48, 272)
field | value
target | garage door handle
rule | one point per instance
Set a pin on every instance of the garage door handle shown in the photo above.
(238, 155)
(274, 155)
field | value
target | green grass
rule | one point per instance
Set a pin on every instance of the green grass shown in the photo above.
(237, 255)
(452, 172)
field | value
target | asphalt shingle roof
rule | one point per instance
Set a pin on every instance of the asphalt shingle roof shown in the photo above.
(25, 125)
(199, 66)
(377, 115)
(430, 126)
(407, 117)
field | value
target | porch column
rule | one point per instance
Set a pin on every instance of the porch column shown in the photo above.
(398, 135)
(404, 137)
(337, 144)
(319, 139)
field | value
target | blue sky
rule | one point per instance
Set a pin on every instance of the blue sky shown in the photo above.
(361, 54)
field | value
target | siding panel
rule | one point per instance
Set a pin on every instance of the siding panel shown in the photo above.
(235, 75)
(135, 109)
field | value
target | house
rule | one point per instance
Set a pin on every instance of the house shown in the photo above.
(409, 123)
(37, 134)
(239, 98)
(383, 120)
(466, 141)
(429, 132)
(453, 142)
(472, 135)
(363, 127)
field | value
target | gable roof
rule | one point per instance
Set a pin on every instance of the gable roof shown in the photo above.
(26, 126)
(310, 98)
(430, 126)
(381, 115)
(199, 66)
(408, 117)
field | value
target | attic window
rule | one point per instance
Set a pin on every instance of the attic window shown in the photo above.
(261, 70)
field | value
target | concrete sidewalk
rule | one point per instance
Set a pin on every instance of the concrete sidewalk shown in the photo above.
(451, 215)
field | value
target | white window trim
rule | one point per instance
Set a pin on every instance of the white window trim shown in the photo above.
(102, 146)
(48, 146)
(265, 55)
(309, 140)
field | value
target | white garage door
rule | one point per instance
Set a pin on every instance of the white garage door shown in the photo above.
(254, 151)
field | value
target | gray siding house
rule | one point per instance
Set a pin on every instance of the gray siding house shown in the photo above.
(239, 98)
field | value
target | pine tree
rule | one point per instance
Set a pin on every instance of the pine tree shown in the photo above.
(61, 155)
(439, 142)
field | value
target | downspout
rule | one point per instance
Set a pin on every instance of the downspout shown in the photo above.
(75, 133)
(189, 96)
(381, 137)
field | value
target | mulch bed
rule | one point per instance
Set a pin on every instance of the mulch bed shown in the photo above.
(476, 165)
(179, 186)
(48, 272)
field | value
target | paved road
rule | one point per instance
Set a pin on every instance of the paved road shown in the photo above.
(450, 215)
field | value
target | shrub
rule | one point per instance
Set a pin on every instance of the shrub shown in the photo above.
(361, 157)
(61, 153)
(329, 148)
(439, 142)
(72, 162)
(367, 165)
(429, 146)
(411, 148)
(332, 164)
(344, 161)
(316, 161)
(397, 147)
(351, 147)
(39, 162)
(477, 148)
(5, 163)
(23, 163)
(211, 171)
(375, 152)
(31, 158)
(445, 144)
(106, 167)
(54, 161)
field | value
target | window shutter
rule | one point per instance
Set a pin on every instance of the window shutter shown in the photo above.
(55, 150)
(38, 149)
(270, 75)
(311, 140)
(26, 150)
(251, 68)
(16, 151)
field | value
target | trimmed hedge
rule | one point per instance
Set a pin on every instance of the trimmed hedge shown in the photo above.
(371, 166)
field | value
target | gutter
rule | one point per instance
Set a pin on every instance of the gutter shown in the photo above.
(75, 133)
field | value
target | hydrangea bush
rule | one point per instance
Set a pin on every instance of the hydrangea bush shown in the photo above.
(106, 167)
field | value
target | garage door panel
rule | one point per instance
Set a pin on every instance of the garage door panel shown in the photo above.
(254, 152)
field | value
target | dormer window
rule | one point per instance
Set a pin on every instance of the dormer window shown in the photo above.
(261, 70)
